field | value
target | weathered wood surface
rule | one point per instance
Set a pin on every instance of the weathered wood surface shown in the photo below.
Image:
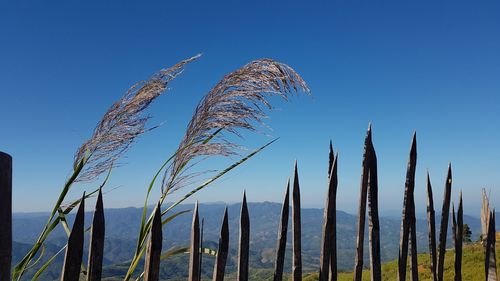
(373, 218)
(74, 249)
(490, 257)
(431, 223)
(296, 228)
(328, 256)
(96, 245)
(223, 249)
(358, 264)
(406, 220)
(282, 233)
(5, 216)
(194, 250)
(244, 242)
(153, 252)
(201, 249)
(459, 230)
(445, 213)
(412, 249)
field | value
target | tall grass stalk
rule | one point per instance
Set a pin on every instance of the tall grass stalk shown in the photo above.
(235, 103)
(117, 130)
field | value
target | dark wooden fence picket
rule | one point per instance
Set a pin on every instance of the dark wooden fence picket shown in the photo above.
(71, 269)
(244, 242)
(296, 228)
(373, 219)
(431, 223)
(5, 216)
(445, 214)
(407, 214)
(194, 249)
(282, 233)
(328, 255)
(490, 255)
(221, 259)
(74, 249)
(358, 262)
(96, 245)
(153, 251)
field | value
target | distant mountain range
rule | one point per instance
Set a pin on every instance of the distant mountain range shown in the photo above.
(122, 226)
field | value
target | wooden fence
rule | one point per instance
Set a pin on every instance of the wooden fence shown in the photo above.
(72, 266)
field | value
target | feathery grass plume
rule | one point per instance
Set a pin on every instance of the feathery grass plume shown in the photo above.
(236, 102)
(116, 131)
(122, 123)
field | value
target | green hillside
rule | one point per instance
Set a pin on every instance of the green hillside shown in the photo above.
(472, 266)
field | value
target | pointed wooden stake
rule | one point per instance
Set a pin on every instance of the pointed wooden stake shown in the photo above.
(445, 213)
(412, 249)
(5, 216)
(459, 240)
(74, 249)
(244, 243)
(490, 257)
(406, 221)
(328, 256)
(431, 222)
(358, 266)
(373, 219)
(201, 248)
(296, 228)
(194, 252)
(220, 262)
(153, 251)
(282, 233)
(485, 216)
(96, 245)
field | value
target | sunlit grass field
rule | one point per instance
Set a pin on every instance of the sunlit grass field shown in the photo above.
(472, 266)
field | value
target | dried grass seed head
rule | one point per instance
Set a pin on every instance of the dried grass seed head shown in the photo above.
(122, 123)
(236, 102)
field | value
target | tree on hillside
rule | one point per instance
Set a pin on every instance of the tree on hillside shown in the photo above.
(467, 234)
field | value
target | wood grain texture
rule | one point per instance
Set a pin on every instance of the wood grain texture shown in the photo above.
(490, 257)
(244, 241)
(328, 255)
(373, 218)
(96, 245)
(296, 229)
(74, 249)
(222, 252)
(358, 262)
(431, 223)
(194, 252)
(459, 230)
(282, 235)
(153, 251)
(445, 214)
(5, 216)
(406, 220)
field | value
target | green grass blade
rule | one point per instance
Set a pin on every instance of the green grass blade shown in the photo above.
(168, 219)
(220, 174)
(44, 267)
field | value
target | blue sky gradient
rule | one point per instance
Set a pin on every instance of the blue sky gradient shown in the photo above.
(405, 66)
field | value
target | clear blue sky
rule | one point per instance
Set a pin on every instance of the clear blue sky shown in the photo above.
(404, 66)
